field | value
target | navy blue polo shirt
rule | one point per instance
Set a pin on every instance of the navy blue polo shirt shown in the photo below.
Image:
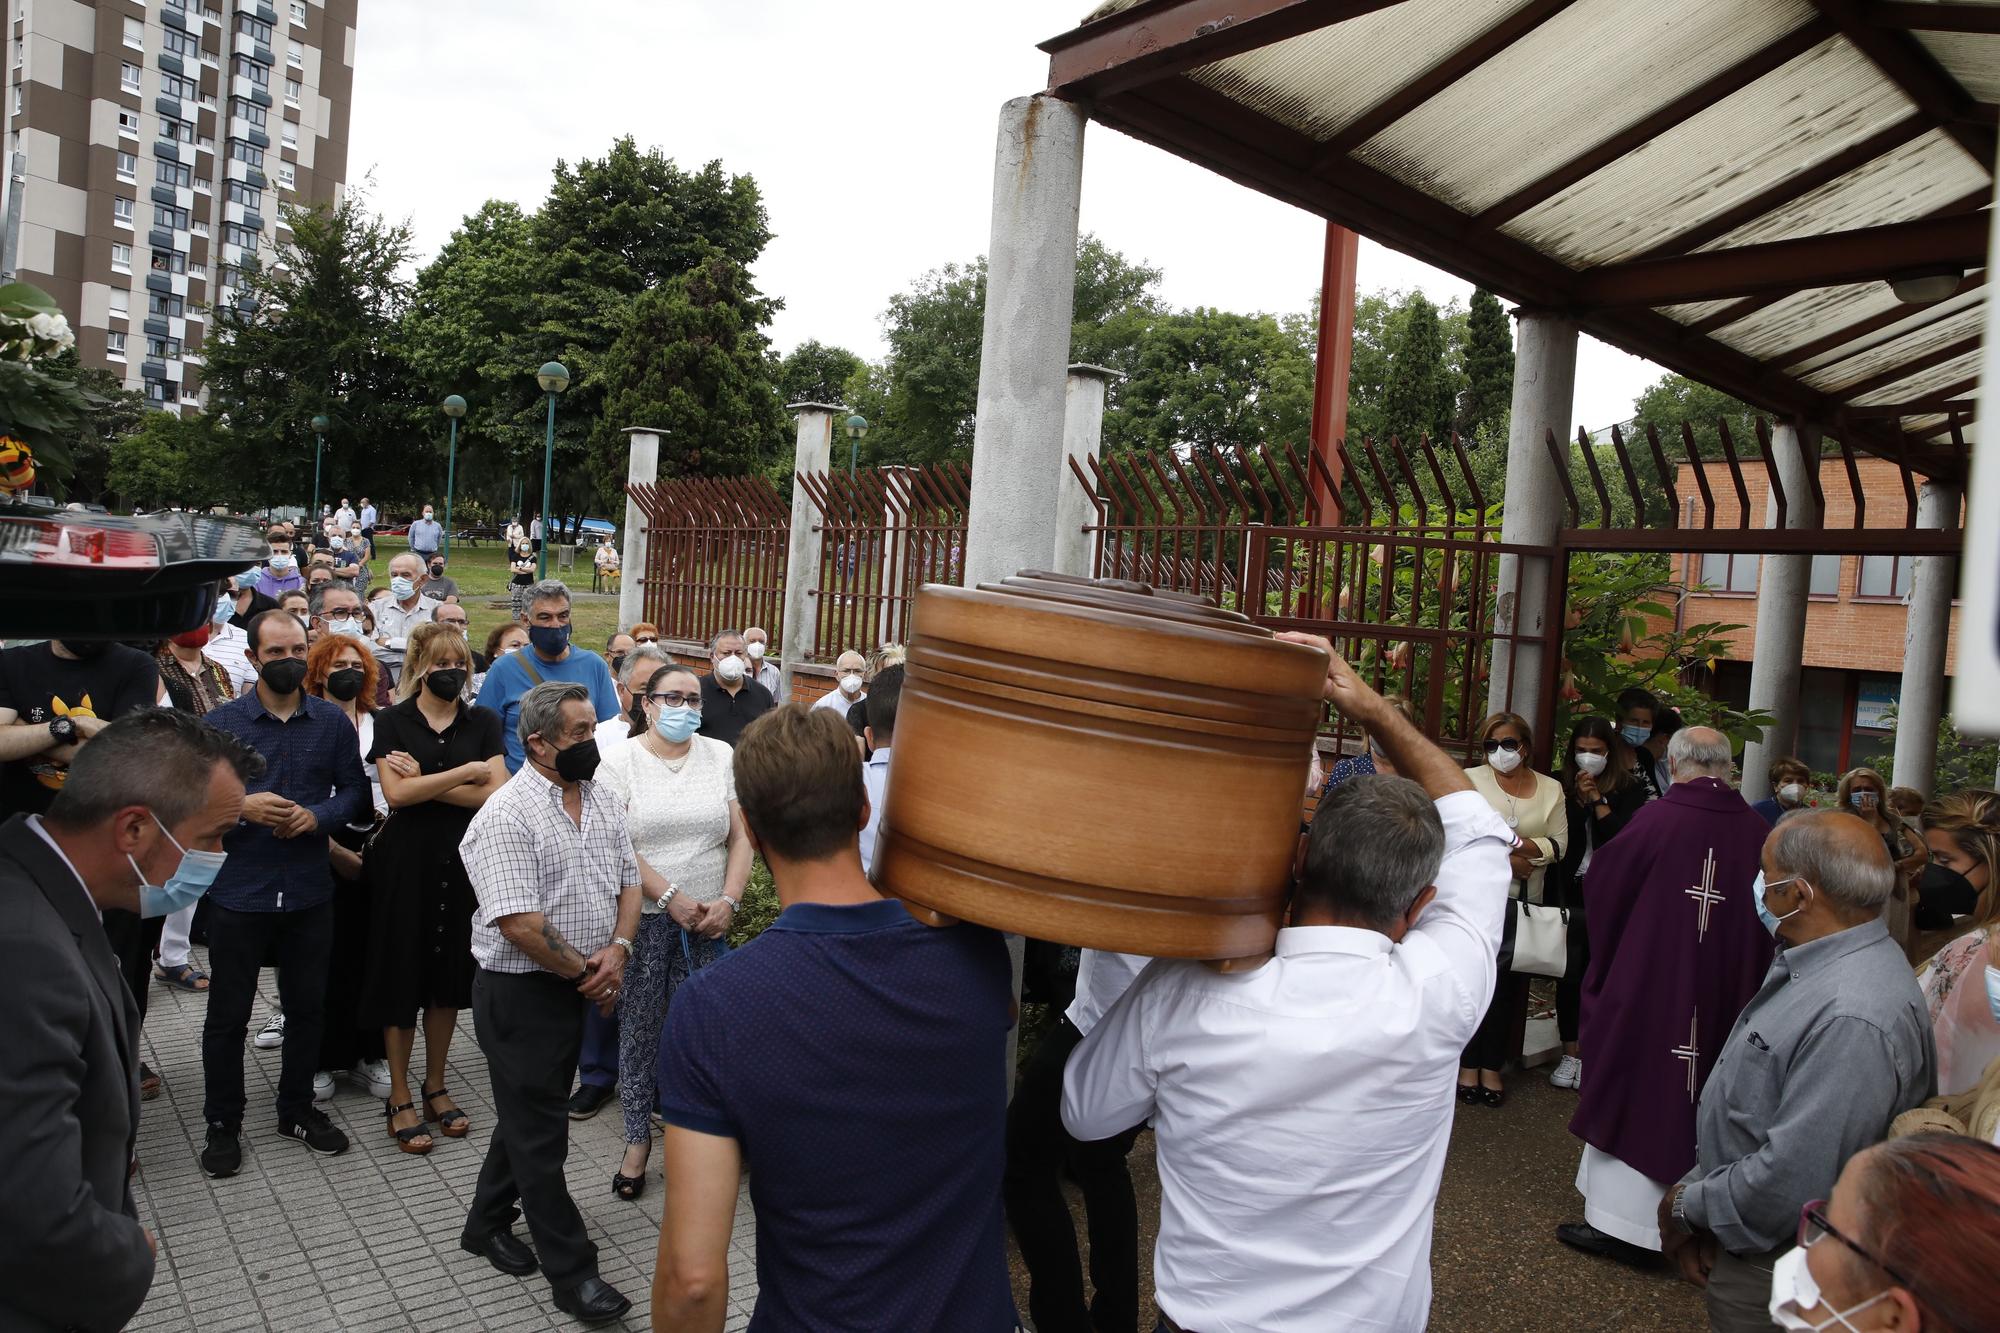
(859, 1060)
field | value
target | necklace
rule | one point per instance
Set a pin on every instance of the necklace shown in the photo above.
(1513, 814)
(673, 765)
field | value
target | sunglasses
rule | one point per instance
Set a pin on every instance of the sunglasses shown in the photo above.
(1813, 1228)
(647, 638)
(675, 699)
(1510, 745)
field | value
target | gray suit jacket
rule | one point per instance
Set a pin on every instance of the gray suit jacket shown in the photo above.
(72, 1254)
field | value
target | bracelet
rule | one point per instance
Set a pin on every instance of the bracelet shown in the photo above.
(665, 898)
(732, 904)
(624, 944)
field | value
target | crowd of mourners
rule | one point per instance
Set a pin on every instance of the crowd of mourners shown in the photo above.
(1789, 1012)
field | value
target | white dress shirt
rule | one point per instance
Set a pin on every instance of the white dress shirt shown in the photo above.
(875, 778)
(1301, 1111)
(1101, 977)
(228, 647)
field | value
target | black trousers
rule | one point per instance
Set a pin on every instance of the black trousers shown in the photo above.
(300, 945)
(530, 1025)
(1569, 990)
(1039, 1151)
(134, 940)
(1488, 1047)
(344, 1042)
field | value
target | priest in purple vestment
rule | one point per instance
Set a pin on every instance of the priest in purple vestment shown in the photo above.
(1676, 951)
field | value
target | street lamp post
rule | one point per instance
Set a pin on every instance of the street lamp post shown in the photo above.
(554, 379)
(454, 407)
(319, 425)
(857, 426)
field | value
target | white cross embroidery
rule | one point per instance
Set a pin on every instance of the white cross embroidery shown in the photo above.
(1704, 894)
(1690, 1052)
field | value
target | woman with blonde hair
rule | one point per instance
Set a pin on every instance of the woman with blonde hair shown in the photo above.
(1961, 983)
(420, 945)
(1863, 792)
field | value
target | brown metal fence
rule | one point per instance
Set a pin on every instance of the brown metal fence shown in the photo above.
(715, 554)
(884, 533)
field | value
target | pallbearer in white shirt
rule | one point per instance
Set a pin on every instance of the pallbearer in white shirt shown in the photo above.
(1301, 1110)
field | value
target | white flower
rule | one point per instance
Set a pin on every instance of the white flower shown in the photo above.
(43, 326)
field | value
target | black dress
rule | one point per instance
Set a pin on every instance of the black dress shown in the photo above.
(420, 950)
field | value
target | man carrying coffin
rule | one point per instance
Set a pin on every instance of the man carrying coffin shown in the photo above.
(1676, 951)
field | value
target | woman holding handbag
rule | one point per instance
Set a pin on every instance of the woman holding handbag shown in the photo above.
(1533, 805)
(1602, 792)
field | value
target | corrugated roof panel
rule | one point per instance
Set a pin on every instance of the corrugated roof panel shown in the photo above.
(1698, 311)
(1924, 423)
(1319, 82)
(1900, 351)
(1918, 319)
(1925, 383)
(1593, 70)
(1808, 110)
(1804, 316)
(1973, 58)
(1914, 181)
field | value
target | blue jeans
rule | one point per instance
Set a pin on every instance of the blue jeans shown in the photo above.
(597, 1067)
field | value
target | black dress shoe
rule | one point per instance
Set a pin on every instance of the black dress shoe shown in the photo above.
(592, 1300)
(583, 1103)
(504, 1250)
(1585, 1237)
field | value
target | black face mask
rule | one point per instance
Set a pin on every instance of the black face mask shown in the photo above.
(88, 650)
(615, 661)
(343, 684)
(1943, 889)
(579, 762)
(437, 571)
(284, 676)
(447, 683)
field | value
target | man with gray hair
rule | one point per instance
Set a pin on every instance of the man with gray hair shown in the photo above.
(1302, 1108)
(1835, 1045)
(406, 608)
(730, 699)
(634, 666)
(1675, 954)
(549, 656)
(557, 881)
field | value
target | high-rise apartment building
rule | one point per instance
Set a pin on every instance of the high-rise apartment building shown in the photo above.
(159, 138)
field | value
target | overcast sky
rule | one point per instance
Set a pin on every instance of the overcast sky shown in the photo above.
(869, 126)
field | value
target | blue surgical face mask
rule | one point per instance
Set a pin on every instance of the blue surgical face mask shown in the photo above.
(225, 608)
(402, 589)
(348, 626)
(678, 723)
(1636, 735)
(549, 640)
(185, 886)
(283, 564)
(1764, 913)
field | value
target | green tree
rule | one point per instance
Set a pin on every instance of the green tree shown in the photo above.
(1489, 366)
(817, 372)
(1210, 380)
(1676, 399)
(1421, 391)
(175, 460)
(692, 359)
(109, 412)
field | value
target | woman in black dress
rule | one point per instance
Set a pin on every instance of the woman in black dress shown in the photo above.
(420, 956)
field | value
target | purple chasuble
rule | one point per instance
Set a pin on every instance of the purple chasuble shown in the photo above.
(1676, 951)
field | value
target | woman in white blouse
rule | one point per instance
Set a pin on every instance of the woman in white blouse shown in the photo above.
(1532, 805)
(694, 852)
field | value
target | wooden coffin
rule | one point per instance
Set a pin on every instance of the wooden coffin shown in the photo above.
(1098, 764)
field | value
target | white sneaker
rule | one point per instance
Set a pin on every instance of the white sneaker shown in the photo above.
(322, 1088)
(1568, 1073)
(375, 1073)
(273, 1034)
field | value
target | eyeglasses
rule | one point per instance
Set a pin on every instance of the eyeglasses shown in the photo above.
(647, 638)
(1813, 1228)
(675, 699)
(1509, 744)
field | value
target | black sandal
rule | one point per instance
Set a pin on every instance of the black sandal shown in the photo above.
(628, 1187)
(406, 1139)
(454, 1123)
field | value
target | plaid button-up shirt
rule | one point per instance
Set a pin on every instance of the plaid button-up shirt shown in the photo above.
(523, 853)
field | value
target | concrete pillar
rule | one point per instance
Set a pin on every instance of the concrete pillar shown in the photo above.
(1544, 390)
(813, 453)
(1017, 439)
(1920, 702)
(1083, 437)
(643, 467)
(1784, 583)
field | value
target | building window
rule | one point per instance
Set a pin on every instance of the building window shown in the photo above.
(178, 4)
(20, 52)
(288, 134)
(292, 90)
(163, 347)
(250, 111)
(254, 28)
(287, 177)
(135, 34)
(244, 151)
(173, 173)
(235, 233)
(1885, 576)
(158, 391)
(295, 55)
(249, 69)
(173, 85)
(176, 131)
(1729, 573)
(128, 77)
(203, 185)
(299, 12)
(166, 215)
(183, 44)
(128, 166)
(18, 104)
(247, 195)
(161, 303)
(114, 345)
(1825, 576)
(169, 261)
(121, 210)
(121, 257)
(121, 302)
(128, 123)
(200, 228)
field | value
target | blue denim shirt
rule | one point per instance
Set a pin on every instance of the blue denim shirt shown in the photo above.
(313, 758)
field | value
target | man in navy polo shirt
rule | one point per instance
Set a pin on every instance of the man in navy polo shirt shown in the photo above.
(856, 1060)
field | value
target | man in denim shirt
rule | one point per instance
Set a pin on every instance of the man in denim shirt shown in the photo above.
(1834, 1046)
(273, 898)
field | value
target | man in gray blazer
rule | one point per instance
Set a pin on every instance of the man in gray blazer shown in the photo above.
(136, 826)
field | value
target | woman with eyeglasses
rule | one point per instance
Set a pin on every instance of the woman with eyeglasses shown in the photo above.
(1909, 1241)
(1602, 792)
(1862, 792)
(679, 793)
(1533, 805)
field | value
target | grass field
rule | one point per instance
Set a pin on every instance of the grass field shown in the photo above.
(483, 587)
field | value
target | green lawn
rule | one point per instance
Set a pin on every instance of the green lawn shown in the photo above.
(483, 587)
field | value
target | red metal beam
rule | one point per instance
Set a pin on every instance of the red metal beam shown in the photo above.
(1689, 104)
(1934, 17)
(1863, 255)
(1904, 62)
(1158, 39)
(1334, 363)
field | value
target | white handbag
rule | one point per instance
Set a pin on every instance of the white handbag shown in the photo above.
(1536, 939)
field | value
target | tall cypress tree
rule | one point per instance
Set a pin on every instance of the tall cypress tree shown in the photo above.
(1489, 366)
(1421, 391)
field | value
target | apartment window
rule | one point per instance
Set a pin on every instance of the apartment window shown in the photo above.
(121, 302)
(244, 151)
(169, 261)
(235, 233)
(200, 228)
(128, 77)
(121, 209)
(178, 131)
(121, 257)
(163, 347)
(128, 121)
(292, 90)
(1729, 573)
(288, 134)
(162, 303)
(128, 166)
(247, 195)
(173, 173)
(17, 99)
(20, 52)
(114, 345)
(183, 44)
(135, 34)
(299, 12)
(198, 271)
(1825, 576)
(158, 391)
(1885, 576)
(287, 177)
(295, 55)
(254, 28)
(250, 111)
(177, 4)
(173, 85)
(203, 185)
(251, 70)
(166, 215)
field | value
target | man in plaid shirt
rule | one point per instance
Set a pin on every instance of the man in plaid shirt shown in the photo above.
(558, 888)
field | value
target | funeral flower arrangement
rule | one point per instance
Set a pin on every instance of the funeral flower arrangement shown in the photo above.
(40, 412)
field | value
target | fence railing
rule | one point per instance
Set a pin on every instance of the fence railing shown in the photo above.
(715, 554)
(884, 533)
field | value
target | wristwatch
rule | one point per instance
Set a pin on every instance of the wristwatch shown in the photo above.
(62, 730)
(624, 944)
(732, 903)
(1674, 1211)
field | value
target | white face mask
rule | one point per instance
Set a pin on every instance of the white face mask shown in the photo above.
(1794, 1290)
(756, 651)
(850, 683)
(1792, 793)
(1504, 761)
(730, 668)
(1586, 762)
